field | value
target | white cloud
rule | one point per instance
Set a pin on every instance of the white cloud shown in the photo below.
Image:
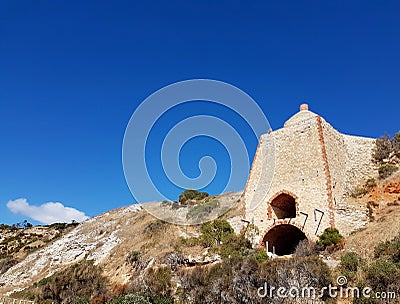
(47, 213)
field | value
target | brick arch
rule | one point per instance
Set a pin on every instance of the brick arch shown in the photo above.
(282, 228)
(276, 195)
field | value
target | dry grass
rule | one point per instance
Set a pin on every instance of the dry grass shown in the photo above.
(154, 239)
(385, 225)
(149, 236)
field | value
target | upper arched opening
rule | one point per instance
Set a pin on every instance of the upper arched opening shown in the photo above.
(284, 206)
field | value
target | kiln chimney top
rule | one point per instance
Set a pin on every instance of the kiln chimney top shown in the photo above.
(304, 107)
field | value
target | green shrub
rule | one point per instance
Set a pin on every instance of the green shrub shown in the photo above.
(251, 232)
(331, 236)
(350, 261)
(260, 255)
(159, 282)
(166, 203)
(349, 265)
(175, 205)
(389, 250)
(360, 191)
(396, 144)
(5, 227)
(155, 227)
(365, 300)
(131, 299)
(190, 194)
(386, 170)
(220, 236)
(380, 274)
(63, 226)
(7, 263)
(215, 232)
(193, 241)
(133, 257)
(370, 183)
(234, 245)
(382, 149)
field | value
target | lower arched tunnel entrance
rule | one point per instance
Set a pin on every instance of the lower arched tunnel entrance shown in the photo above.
(283, 239)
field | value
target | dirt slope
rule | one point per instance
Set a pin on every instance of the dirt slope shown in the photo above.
(384, 205)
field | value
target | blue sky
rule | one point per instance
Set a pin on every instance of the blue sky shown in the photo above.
(73, 72)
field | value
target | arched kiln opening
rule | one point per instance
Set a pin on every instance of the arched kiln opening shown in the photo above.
(283, 239)
(284, 206)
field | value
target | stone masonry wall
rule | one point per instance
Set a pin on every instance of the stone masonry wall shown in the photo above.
(359, 165)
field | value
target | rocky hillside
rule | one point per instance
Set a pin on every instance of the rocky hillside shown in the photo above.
(126, 242)
(106, 239)
(19, 240)
(383, 203)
